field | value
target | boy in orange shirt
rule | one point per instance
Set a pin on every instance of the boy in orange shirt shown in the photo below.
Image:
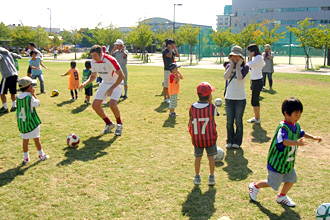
(73, 79)
(173, 88)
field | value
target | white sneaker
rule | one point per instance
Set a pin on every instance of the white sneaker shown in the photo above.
(285, 200)
(197, 180)
(168, 101)
(211, 180)
(119, 129)
(253, 192)
(108, 128)
(43, 157)
(254, 120)
(229, 145)
(26, 160)
(236, 146)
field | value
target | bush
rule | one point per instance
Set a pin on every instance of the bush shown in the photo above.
(86, 55)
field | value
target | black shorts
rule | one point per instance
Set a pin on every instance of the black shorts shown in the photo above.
(256, 88)
(89, 91)
(211, 151)
(29, 70)
(8, 83)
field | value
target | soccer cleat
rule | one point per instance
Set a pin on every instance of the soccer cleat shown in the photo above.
(285, 200)
(253, 192)
(124, 97)
(197, 180)
(235, 146)
(173, 114)
(254, 120)
(263, 88)
(108, 128)
(3, 110)
(119, 129)
(26, 160)
(43, 157)
(13, 109)
(71, 99)
(211, 180)
(228, 145)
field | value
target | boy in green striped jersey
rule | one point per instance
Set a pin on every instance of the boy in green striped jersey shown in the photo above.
(282, 153)
(28, 120)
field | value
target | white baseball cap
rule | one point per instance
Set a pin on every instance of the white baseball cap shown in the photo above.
(119, 42)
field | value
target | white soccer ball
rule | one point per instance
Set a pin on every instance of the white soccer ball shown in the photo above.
(323, 212)
(218, 102)
(220, 155)
(72, 140)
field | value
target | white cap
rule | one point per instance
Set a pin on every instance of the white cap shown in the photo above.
(119, 42)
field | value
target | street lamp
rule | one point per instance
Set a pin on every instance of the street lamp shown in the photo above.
(174, 17)
(50, 20)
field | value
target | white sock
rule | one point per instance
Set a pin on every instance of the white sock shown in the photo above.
(14, 104)
(5, 105)
(26, 154)
(41, 152)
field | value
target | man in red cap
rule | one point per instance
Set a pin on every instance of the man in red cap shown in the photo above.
(203, 131)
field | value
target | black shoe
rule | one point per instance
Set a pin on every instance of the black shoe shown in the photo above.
(13, 109)
(124, 97)
(3, 110)
(43, 91)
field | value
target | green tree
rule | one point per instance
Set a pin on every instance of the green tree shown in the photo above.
(88, 39)
(73, 37)
(56, 41)
(269, 34)
(189, 35)
(5, 32)
(222, 38)
(21, 36)
(106, 36)
(41, 38)
(321, 39)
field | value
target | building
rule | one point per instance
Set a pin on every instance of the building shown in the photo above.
(224, 21)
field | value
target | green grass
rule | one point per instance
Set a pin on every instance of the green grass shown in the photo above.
(147, 173)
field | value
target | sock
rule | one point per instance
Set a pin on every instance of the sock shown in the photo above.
(75, 91)
(26, 154)
(107, 121)
(72, 93)
(256, 186)
(119, 121)
(5, 105)
(125, 92)
(280, 195)
(40, 152)
(14, 104)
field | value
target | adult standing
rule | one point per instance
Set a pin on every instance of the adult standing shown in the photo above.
(235, 96)
(268, 69)
(109, 69)
(168, 57)
(256, 77)
(9, 79)
(121, 55)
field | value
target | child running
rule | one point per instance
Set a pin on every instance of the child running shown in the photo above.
(27, 118)
(203, 130)
(173, 88)
(282, 153)
(73, 80)
(89, 88)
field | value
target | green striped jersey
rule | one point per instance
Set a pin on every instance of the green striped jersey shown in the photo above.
(27, 117)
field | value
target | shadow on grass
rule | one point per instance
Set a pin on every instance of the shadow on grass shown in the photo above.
(237, 165)
(9, 175)
(170, 122)
(272, 92)
(79, 109)
(198, 205)
(288, 213)
(161, 94)
(92, 150)
(259, 134)
(64, 103)
(162, 108)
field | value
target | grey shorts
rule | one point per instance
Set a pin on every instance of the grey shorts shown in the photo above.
(274, 179)
(211, 151)
(124, 69)
(167, 74)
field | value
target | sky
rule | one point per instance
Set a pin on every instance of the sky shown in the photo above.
(74, 14)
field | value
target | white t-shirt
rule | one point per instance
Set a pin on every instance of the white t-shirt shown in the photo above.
(106, 68)
(34, 102)
(236, 88)
(256, 66)
(39, 54)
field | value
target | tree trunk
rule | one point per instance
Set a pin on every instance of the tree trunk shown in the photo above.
(325, 56)
(328, 64)
(75, 52)
(220, 53)
(190, 55)
(307, 58)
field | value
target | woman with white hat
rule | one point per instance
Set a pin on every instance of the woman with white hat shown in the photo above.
(268, 69)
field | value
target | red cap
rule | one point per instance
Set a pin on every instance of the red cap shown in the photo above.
(104, 49)
(205, 88)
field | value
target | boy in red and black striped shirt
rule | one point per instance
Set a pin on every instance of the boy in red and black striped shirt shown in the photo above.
(203, 131)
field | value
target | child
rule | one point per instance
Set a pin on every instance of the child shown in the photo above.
(36, 71)
(203, 131)
(27, 118)
(282, 153)
(73, 79)
(89, 88)
(173, 88)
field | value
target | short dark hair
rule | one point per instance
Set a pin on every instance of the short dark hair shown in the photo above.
(32, 52)
(32, 44)
(290, 105)
(203, 98)
(96, 49)
(88, 64)
(254, 48)
(73, 64)
(169, 41)
(25, 88)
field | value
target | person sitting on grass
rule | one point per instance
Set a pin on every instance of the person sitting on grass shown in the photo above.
(28, 120)
(73, 79)
(89, 88)
(173, 88)
(282, 153)
(203, 130)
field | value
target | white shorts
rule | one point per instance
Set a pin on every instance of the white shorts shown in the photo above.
(167, 74)
(32, 134)
(103, 88)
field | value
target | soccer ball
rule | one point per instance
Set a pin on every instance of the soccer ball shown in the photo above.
(220, 155)
(55, 93)
(323, 212)
(72, 140)
(218, 102)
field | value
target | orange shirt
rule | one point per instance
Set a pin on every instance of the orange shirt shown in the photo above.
(73, 78)
(173, 86)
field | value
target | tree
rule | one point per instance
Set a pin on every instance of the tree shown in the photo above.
(73, 37)
(41, 38)
(222, 38)
(269, 35)
(321, 39)
(189, 35)
(106, 36)
(141, 36)
(21, 36)
(304, 33)
(88, 39)
(56, 41)
(5, 32)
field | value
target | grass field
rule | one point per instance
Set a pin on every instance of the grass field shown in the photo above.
(147, 172)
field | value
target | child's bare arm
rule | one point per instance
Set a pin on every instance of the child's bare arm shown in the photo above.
(300, 142)
(67, 73)
(309, 136)
(180, 76)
